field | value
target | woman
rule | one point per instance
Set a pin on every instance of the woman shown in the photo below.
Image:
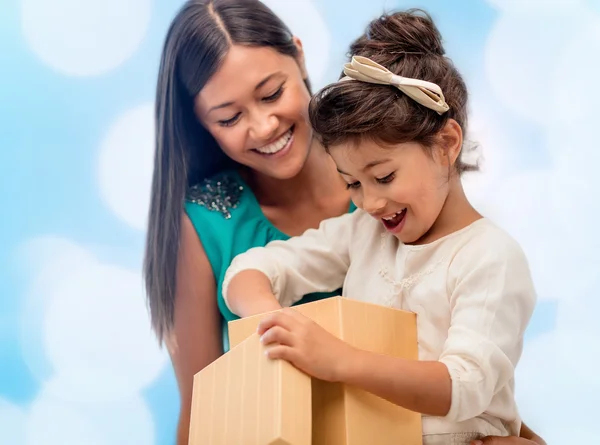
(235, 167)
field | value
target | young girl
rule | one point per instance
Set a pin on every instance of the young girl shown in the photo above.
(394, 127)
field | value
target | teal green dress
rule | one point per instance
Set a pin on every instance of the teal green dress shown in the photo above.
(229, 221)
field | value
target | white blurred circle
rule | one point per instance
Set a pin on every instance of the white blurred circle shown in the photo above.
(87, 322)
(125, 165)
(555, 402)
(579, 313)
(533, 5)
(44, 260)
(578, 334)
(492, 154)
(575, 98)
(522, 54)
(97, 328)
(579, 354)
(13, 423)
(575, 152)
(85, 38)
(57, 422)
(546, 213)
(573, 137)
(306, 22)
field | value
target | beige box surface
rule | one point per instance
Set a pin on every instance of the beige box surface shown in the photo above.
(344, 415)
(244, 398)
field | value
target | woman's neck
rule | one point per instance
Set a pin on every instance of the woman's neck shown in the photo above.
(317, 182)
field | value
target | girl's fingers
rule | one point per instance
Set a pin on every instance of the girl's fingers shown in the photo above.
(294, 315)
(278, 318)
(281, 352)
(277, 334)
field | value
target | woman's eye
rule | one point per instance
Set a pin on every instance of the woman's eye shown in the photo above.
(386, 179)
(353, 185)
(276, 95)
(273, 97)
(229, 122)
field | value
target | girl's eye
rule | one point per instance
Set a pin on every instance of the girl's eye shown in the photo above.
(229, 122)
(276, 95)
(353, 185)
(386, 179)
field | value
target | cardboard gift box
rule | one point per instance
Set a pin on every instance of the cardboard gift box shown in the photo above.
(244, 398)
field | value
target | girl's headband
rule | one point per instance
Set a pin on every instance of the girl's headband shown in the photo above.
(426, 93)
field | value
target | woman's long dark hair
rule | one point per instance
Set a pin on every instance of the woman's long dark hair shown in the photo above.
(196, 44)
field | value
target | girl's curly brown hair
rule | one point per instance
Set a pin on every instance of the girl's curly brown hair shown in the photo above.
(408, 44)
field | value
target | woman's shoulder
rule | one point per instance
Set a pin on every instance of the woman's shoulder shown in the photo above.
(220, 208)
(227, 216)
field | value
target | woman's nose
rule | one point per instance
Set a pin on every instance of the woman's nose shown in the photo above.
(264, 129)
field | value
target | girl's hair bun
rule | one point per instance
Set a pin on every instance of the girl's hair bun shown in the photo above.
(408, 32)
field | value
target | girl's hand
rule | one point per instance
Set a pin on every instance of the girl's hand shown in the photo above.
(297, 339)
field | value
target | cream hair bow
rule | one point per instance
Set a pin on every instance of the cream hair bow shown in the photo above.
(426, 93)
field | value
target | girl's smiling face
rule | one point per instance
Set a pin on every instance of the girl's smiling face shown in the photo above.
(404, 186)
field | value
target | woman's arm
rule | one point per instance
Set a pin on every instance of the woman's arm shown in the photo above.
(196, 338)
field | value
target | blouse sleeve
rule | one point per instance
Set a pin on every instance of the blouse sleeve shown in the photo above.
(492, 299)
(316, 261)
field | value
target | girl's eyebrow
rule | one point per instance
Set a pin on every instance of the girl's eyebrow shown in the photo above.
(368, 166)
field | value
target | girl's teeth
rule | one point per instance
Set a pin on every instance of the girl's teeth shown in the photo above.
(274, 147)
(389, 218)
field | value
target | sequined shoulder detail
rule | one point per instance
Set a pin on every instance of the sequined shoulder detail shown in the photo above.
(219, 194)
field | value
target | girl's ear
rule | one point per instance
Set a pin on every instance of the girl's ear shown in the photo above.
(450, 142)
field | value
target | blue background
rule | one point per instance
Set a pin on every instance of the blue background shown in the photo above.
(78, 363)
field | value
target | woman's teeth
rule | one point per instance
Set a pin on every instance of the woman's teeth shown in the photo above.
(276, 146)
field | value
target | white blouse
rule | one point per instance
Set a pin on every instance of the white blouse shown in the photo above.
(472, 292)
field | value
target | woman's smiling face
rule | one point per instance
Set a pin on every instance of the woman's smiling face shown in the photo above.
(256, 108)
